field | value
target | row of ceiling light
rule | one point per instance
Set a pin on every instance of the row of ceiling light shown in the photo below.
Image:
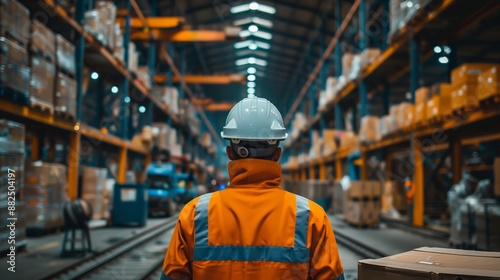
(253, 44)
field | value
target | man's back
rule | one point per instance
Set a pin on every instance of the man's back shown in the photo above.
(253, 230)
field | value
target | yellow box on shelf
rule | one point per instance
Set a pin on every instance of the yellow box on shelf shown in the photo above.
(489, 83)
(467, 73)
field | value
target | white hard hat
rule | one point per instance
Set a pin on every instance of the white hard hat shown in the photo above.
(254, 119)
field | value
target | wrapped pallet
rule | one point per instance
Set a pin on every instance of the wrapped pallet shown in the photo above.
(107, 15)
(43, 41)
(347, 59)
(144, 76)
(488, 226)
(368, 56)
(387, 125)
(362, 203)
(12, 53)
(12, 153)
(93, 190)
(329, 142)
(65, 55)
(15, 22)
(356, 67)
(45, 194)
(331, 88)
(349, 140)
(65, 95)
(369, 131)
(14, 70)
(169, 96)
(42, 82)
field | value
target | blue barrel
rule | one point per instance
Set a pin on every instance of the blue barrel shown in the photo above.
(130, 205)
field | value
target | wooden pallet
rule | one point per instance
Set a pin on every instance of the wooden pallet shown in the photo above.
(436, 119)
(65, 116)
(41, 106)
(14, 38)
(42, 54)
(494, 99)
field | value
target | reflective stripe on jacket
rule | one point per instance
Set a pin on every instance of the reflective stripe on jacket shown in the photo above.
(252, 230)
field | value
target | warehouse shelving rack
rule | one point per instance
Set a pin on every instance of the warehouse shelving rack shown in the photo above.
(402, 59)
(75, 130)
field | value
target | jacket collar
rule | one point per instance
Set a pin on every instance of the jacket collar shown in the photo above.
(254, 172)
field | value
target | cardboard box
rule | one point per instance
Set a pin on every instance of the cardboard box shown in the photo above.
(438, 106)
(369, 131)
(65, 95)
(420, 113)
(15, 21)
(43, 41)
(65, 55)
(432, 263)
(464, 96)
(42, 81)
(489, 83)
(467, 73)
(407, 114)
(368, 56)
(421, 95)
(12, 53)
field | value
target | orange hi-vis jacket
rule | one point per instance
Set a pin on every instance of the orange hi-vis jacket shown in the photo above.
(252, 230)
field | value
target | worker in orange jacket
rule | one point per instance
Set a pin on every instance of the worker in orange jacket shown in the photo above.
(253, 229)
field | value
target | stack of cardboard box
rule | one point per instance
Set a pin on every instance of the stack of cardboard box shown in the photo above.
(439, 104)
(362, 204)
(94, 191)
(43, 68)
(464, 80)
(45, 194)
(369, 131)
(422, 95)
(368, 56)
(329, 142)
(489, 83)
(14, 70)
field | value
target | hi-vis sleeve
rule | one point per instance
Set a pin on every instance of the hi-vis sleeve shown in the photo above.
(324, 261)
(177, 263)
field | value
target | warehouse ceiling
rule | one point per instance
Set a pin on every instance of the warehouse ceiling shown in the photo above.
(283, 39)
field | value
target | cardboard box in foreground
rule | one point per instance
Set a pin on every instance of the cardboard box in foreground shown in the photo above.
(432, 263)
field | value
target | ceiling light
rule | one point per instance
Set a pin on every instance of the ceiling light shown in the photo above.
(251, 60)
(447, 50)
(251, 90)
(239, 8)
(243, 44)
(250, 95)
(263, 22)
(253, 6)
(253, 28)
(257, 20)
(94, 76)
(114, 89)
(251, 84)
(127, 99)
(263, 35)
(443, 60)
(252, 46)
(142, 109)
(409, 4)
(263, 45)
(245, 33)
(251, 70)
(437, 49)
(251, 78)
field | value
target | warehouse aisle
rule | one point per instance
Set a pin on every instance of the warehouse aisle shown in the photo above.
(42, 255)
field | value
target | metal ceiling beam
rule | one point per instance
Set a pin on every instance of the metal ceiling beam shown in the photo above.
(152, 22)
(203, 79)
(183, 36)
(310, 42)
(322, 60)
(294, 5)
